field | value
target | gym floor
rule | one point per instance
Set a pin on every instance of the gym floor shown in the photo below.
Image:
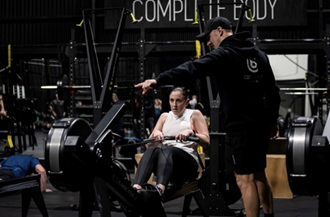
(61, 204)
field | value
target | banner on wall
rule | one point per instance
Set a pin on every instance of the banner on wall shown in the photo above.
(181, 13)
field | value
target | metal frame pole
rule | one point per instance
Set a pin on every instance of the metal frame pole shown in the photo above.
(142, 76)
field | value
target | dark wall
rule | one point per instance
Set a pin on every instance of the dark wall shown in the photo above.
(39, 29)
(39, 22)
(46, 22)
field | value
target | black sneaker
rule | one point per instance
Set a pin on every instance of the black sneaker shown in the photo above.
(161, 194)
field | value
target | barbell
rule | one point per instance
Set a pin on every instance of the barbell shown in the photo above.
(64, 84)
(53, 87)
(304, 89)
(63, 88)
(314, 91)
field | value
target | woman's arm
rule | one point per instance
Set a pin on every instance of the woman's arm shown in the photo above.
(198, 124)
(157, 133)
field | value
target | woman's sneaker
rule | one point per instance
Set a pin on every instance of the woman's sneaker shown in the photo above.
(161, 194)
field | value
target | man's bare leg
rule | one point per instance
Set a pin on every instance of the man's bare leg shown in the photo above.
(265, 192)
(249, 193)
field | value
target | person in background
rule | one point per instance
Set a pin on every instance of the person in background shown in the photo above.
(149, 114)
(3, 112)
(158, 109)
(114, 98)
(193, 101)
(22, 165)
(250, 100)
(56, 107)
(194, 104)
(174, 159)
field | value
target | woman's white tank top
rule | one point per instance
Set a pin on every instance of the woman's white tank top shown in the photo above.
(175, 124)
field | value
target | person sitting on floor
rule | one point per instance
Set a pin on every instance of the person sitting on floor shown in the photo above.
(20, 165)
(175, 160)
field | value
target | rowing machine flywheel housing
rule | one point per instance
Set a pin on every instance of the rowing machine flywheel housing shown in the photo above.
(68, 159)
(307, 157)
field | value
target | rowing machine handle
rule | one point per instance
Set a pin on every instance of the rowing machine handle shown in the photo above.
(189, 138)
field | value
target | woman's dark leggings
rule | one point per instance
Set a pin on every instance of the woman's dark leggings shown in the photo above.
(168, 164)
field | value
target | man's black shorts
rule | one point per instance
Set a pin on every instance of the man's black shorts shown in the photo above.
(6, 174)
(246, 154)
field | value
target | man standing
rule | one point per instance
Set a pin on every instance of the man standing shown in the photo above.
(250, 100)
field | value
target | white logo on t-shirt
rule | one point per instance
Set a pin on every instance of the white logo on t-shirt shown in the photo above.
(252, 65)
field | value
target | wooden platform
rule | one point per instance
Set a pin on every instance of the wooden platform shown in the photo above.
(276, 169)
(277, 175)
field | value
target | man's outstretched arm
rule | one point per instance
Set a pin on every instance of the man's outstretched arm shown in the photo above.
(146, 85)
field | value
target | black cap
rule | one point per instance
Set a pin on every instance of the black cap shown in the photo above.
(212, 24)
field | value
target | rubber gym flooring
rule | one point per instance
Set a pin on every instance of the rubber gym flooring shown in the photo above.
(59, 204)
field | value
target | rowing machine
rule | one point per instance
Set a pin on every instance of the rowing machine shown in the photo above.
(79, 159)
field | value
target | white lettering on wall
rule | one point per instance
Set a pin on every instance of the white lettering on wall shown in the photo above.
(210, 9)
(219, 8)
(185, 12)
(175, 11)
(258, 13)
(252, 5)
(265, 11)
(168, 7)
(237, 9)
(153, 5)
(134, 11)
(157, 9)
(272, 7)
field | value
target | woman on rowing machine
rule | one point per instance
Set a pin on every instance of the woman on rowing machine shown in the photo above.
(174, 160)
